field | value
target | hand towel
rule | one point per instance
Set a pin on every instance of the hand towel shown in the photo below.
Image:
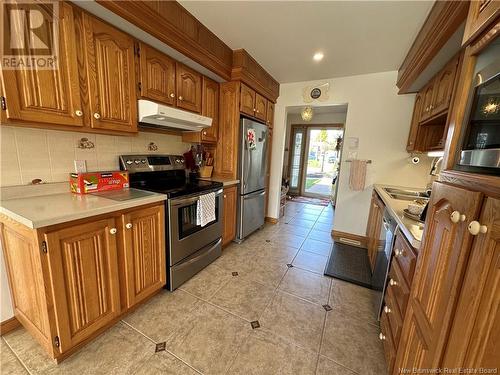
(357, 175)
(205, 209)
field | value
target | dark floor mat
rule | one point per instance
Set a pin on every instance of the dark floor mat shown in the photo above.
(349, 263)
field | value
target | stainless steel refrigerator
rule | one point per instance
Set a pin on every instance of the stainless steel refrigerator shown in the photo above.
(252, 176)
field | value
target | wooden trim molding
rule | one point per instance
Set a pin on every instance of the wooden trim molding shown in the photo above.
(247, 70)
(9, 325)
(350, 239)
(443, 20)
(169, 22)
(271, 220)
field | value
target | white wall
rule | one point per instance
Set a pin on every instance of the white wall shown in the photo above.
(380, 118)
(26, 154)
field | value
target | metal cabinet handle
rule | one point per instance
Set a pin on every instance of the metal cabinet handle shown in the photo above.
(393, 282)
(181, 98)
(128, 225)
(113, 231)
(172, 95)
(381, 336)
(398, 252)
(97, 116)
(79, 113)
(225, 196)
(475, 228)
(204, 133)
(456, 216)
(387, 309)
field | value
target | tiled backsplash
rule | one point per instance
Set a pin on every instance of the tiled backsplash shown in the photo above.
(26, 154)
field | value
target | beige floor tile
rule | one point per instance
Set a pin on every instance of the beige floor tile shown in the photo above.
(305, 284)
(159, 317)
(320, 235)
(353, 344)
(163, 363)
(265, 353)
(310, 261)
(265, 273)
(9, 364)
(295, 319)
(117, 351)
(294, 229)
(287, 239)
(275, 254)
(354, 299)
(209, 339)
(207, 282)
(302, 223)
(235, 258)
(323, 227)
(317, 247)
(309, 216)
(243, 297)
(328, 367)
(327, 219)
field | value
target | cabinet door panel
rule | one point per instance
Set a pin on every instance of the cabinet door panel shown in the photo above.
(260, 107)
(412, 136)
(427, 101)
(109, 56)
(440, 264)
(157, 75)
(475, 333)
(210, 108)
(270, 114)
(443, 88)
(229, 229)
(48, 96)
(188, 88)
(144, 253)
(247, 100)
(84, 271)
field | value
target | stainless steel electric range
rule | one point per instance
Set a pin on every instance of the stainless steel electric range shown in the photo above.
(190, 247)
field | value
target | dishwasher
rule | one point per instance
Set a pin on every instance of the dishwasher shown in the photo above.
(383, 260)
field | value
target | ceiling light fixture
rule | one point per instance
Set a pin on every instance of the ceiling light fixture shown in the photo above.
(318, 56)
(307, 114)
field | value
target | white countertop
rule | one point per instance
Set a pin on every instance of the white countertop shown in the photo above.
(44, 210)
(411, 229)
(225, 181)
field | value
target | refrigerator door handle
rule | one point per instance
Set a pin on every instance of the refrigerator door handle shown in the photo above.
(253, 195)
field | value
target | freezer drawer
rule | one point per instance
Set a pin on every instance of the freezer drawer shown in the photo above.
(250, 213)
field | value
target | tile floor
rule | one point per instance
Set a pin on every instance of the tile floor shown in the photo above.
(206, 324)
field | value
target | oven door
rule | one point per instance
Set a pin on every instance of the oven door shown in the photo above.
(185, 236)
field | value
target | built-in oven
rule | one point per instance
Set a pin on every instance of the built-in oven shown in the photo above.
(480, 151)
(191, 247)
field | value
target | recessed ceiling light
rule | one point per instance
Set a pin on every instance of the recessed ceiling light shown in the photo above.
(318, 56)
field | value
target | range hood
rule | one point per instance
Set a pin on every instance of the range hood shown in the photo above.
(154, 115)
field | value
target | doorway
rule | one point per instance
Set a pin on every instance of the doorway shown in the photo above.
(315, 160)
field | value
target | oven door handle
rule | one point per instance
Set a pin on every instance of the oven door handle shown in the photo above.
(182, 201)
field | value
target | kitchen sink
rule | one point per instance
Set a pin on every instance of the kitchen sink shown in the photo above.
(406, 194)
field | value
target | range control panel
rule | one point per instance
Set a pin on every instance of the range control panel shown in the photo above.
(150, 163)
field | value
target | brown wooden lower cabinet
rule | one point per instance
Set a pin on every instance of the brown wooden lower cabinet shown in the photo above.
(71, 281)
(373, 227)
(230, 206)
(435, 290)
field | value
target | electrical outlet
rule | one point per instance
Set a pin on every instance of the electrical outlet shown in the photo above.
(80, 166)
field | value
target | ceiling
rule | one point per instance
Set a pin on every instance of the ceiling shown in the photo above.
(356, 37)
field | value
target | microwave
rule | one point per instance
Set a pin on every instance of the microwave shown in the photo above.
(480, 151)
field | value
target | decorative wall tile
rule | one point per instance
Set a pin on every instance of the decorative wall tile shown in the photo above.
(26, 154)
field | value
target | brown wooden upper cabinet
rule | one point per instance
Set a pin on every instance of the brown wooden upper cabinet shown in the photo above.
(109, 57)
(47, 96)
(270, 114)
(188, 88)
(481, 13)
(252, 103)
(157, 75)
(260, 107)
(209, 108)
(417, 109)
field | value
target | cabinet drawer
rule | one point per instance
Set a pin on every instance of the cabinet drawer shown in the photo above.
(389, 348)
(391, 310)
(399, 287)
(405, 257)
